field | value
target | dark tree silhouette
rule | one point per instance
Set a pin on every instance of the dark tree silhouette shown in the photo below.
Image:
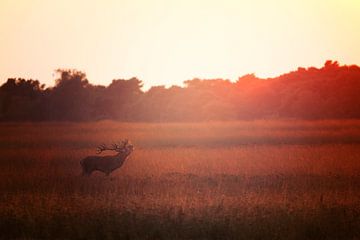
(20, 99)
(70, 98)
(330, 92)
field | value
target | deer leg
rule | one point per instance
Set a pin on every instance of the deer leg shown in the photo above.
(86, 172)
(83, 171)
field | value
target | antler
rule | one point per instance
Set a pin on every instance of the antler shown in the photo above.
(125, 142)
(114, 147)
(101, 148)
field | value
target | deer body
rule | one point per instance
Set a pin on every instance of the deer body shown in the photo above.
(106, 164)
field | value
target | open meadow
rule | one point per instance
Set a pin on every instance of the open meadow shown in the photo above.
(219, 180)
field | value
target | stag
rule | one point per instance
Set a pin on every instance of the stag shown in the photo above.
(107, 164)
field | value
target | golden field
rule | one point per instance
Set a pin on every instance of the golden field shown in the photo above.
(219, 180)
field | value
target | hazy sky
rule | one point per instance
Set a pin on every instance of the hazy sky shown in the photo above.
(169, 41)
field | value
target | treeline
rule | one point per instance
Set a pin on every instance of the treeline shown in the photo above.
(330, 92)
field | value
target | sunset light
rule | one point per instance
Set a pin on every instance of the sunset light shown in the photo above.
(165, 42)
(180, 119)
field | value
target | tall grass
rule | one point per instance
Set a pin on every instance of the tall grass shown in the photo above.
(238, 180)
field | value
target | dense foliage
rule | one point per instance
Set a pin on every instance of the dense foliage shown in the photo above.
(330, 92)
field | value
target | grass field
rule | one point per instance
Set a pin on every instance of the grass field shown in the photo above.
(233, 180)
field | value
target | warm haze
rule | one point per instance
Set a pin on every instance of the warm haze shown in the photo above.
(167, 42)
(260, 141)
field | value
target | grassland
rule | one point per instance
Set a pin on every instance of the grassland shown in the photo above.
(233, 180)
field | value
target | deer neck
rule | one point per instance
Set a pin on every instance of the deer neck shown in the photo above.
(120, 156)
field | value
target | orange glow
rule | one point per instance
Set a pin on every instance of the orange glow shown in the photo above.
(169, 41)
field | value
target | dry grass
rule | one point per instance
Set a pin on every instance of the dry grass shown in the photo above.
(239, 180)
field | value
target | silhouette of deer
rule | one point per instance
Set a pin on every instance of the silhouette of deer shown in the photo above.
(107, 164)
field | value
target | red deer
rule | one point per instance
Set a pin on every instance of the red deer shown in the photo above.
(107, 164)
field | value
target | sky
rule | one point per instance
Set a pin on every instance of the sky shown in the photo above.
(165, 42)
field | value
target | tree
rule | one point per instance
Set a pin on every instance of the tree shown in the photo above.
(20, 99)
